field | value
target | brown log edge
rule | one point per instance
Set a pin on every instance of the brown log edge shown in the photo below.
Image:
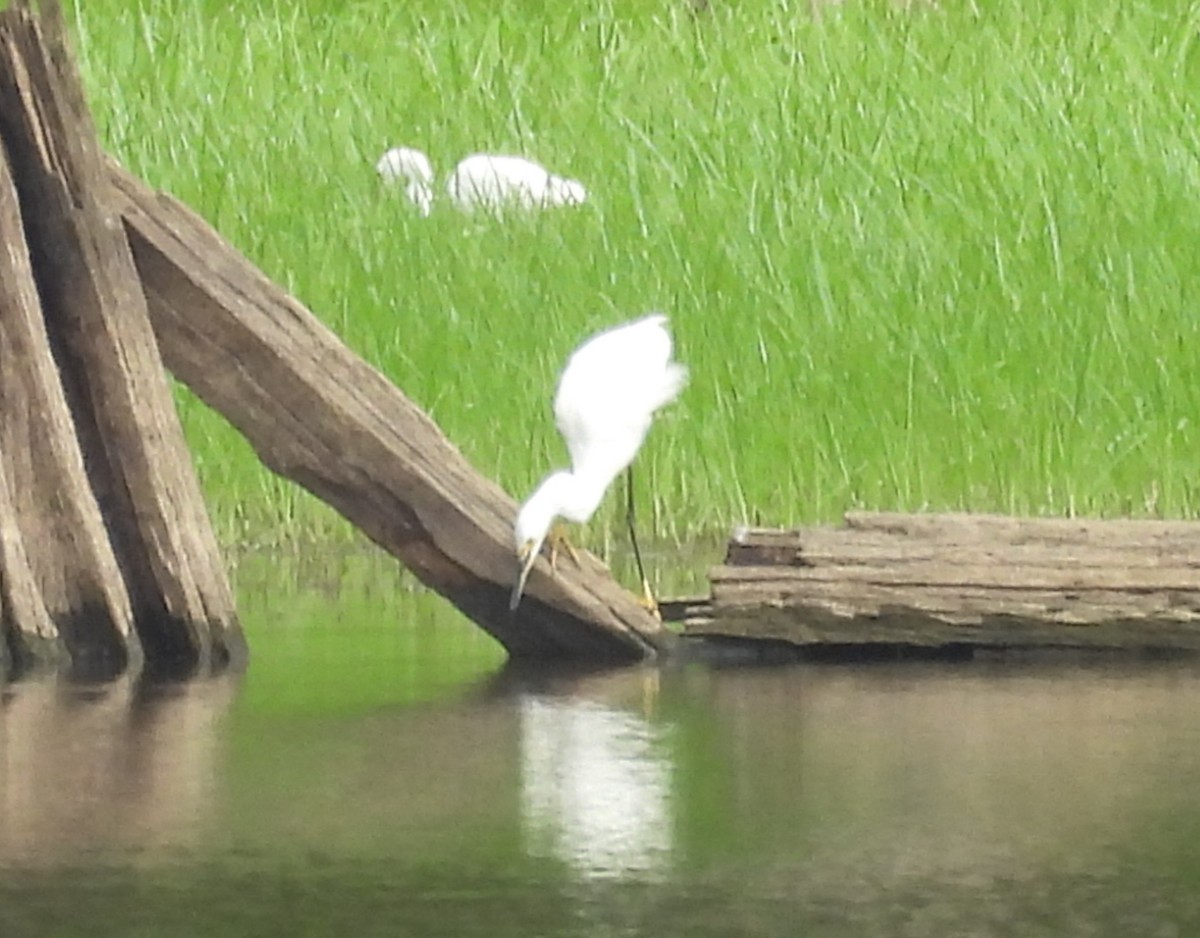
(319, 415)
(109, 521)
(54, 552)
(958, 581)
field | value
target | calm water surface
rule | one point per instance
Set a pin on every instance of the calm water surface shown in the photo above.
(378, 771)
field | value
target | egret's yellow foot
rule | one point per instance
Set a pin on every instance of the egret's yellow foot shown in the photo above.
(647, 600)
(557, 540)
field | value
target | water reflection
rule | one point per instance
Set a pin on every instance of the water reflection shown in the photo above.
(943, 772)
(130, 764)
(595, 785)
(356, 783)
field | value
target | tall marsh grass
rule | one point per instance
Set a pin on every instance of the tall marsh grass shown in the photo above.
(928, 258)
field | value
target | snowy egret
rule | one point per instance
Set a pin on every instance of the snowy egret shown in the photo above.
(481, 181)
(404, 164)
(606, 399)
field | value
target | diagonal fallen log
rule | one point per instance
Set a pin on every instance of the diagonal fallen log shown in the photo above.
(318, 414)
(960, 580)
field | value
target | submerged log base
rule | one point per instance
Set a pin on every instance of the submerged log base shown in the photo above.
(944, 580)
(28, 633)
(319, 415)
(97, 333)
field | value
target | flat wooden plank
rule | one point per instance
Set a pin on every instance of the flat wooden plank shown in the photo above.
(1065, 577)
(822, 551)
(884, 531)
(967, 603)
(818, 626)
(962, 527)
(959, 579)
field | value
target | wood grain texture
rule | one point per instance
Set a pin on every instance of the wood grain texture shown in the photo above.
(98, 331)
(947, 579)
(319, 415)
(62, 590)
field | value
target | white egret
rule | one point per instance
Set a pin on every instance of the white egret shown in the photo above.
(486, 181)
(481, 181)
(606, 399)
(412, 167)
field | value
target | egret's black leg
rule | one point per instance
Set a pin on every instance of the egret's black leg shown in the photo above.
(647, 596)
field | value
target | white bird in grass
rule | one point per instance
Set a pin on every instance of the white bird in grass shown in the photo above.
(481, 181)
(414, 169)
(607, 395)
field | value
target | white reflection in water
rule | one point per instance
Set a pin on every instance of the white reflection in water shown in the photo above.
(595, 787)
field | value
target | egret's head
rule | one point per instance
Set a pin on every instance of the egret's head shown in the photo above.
(561, 191)
(412, 167)
(533, 523)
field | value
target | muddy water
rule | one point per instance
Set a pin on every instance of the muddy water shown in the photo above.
(378, 771)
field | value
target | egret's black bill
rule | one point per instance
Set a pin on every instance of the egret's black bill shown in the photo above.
(519, 587)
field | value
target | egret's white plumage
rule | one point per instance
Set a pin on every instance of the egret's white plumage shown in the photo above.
(493, 183)
(481, 181)
(412, 167)
(606, 399)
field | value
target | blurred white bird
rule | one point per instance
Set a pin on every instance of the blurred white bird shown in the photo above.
(606, 399)
(496, 182)
(412, 167)
(481, 181)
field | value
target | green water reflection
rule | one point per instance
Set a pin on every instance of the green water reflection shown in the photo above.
(348, 633)
(379, 771)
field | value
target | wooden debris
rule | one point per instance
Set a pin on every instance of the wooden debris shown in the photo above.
(110, 525)
(959, 579)
(318, 414)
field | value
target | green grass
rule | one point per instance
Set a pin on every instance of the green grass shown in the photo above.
(924, 259)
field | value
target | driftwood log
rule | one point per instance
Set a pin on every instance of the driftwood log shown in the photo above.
(951, 580)
(107, 551)
(319, 415)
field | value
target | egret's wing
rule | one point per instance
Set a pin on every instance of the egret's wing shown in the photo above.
(609, 391)
(493, 180)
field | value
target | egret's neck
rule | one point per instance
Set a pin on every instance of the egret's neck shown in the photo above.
(579, 495)
(561, 493)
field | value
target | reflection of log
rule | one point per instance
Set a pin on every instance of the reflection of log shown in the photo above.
(973, 580)
(126, 763)
(318, 414)
(89, 426)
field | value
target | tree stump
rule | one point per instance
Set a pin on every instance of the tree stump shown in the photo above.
(107, 550)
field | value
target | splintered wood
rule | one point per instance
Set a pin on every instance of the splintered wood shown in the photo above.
(959, 579)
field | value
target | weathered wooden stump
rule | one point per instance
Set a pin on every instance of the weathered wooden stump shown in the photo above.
(944, 580)
(106, 551)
